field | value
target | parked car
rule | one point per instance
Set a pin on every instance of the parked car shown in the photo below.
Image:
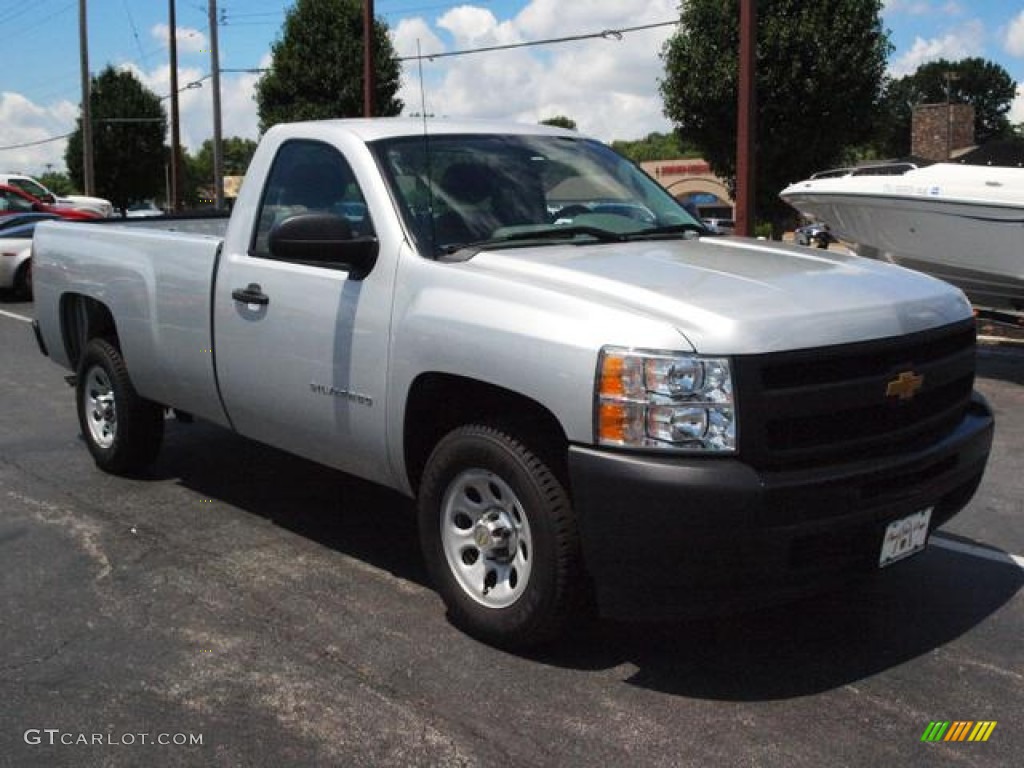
(14, 200)
(629, 210)
(144, 209)
(18, 219)
(95, 205)
(720, 226)
(565, 214)
(16, 261)
(815, 235)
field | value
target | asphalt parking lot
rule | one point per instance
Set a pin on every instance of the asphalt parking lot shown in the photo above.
(238, 606)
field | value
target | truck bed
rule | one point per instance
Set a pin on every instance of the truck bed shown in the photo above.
(156, 278)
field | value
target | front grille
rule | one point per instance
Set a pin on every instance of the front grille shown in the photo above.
(826, 405)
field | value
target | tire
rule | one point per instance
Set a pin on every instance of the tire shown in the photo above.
(23, 281)
(499, 538)
(122, 430)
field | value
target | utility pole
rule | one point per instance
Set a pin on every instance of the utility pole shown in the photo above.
(175, 202)
(218, 152)
(746, 129)
(369, 84)
(949, 77)
(88, 177)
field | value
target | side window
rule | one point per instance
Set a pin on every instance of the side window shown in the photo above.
(309, 177)
(31, 188)
(12, 202)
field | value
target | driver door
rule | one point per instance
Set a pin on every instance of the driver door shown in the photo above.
(302, 348)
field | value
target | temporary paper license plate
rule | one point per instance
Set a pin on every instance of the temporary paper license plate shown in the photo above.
(904, 537)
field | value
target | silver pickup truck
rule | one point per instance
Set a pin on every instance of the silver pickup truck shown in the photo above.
(593, 400)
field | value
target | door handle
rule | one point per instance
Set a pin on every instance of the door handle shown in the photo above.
(251, 294)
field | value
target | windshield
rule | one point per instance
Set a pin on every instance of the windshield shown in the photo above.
(511, 190)
(31, 187)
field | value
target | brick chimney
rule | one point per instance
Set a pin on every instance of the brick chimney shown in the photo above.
(939, 130)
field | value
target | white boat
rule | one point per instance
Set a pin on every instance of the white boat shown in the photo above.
(961, 223)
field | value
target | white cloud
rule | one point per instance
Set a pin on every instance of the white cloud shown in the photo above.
(967, 40)
(473, 27)
(551, 18)
(413, 37)
(195, 105)
(1014, 42)
(608, 86)
(25, 122)
(190, 40)
(924, 8)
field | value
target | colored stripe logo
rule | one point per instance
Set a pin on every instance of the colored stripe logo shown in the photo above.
(959, 730)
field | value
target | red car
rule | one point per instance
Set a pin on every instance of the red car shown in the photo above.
(13, 200)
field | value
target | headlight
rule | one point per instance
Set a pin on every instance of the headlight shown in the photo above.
(665, 400)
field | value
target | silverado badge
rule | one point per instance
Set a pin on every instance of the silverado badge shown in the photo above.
(904, 386)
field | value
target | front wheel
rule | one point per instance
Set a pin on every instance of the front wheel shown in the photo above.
(499, 538)
(122, 430)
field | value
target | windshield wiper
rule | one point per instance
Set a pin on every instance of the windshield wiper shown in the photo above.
(551, 234)
(523, 237)
(672, 229)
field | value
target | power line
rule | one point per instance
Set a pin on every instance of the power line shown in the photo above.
(186, 87)
(36, 143)
(135, 33)
(607, 34)
(37, 22)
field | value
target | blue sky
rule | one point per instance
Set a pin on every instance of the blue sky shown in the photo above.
(608, 86)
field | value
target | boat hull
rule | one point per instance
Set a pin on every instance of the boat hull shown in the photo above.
(978, 245)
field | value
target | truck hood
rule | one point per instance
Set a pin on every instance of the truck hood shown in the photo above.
(736, 295)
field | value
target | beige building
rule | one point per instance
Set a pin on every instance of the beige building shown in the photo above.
(692, 183)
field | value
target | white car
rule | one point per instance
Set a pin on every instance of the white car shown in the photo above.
(15, 260)
(721, 226)
(97, 205)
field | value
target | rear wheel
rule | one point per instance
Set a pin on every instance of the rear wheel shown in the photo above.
(122, 430)
(499, 538)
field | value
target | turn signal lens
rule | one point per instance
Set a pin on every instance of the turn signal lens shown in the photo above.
(665, 400)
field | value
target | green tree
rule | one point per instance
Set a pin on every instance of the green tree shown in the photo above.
(236, 153)
(983, 84)
(317, 66)
(820, 68)
(655, 146)
(128, 157)
(560, 121)
(58, 183)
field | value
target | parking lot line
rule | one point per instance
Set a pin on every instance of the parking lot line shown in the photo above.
(996, 555)
(16, 316)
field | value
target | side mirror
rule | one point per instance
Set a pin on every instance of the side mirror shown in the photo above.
(325, 240)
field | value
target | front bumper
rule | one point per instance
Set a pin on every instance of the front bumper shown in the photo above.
(668, 536)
